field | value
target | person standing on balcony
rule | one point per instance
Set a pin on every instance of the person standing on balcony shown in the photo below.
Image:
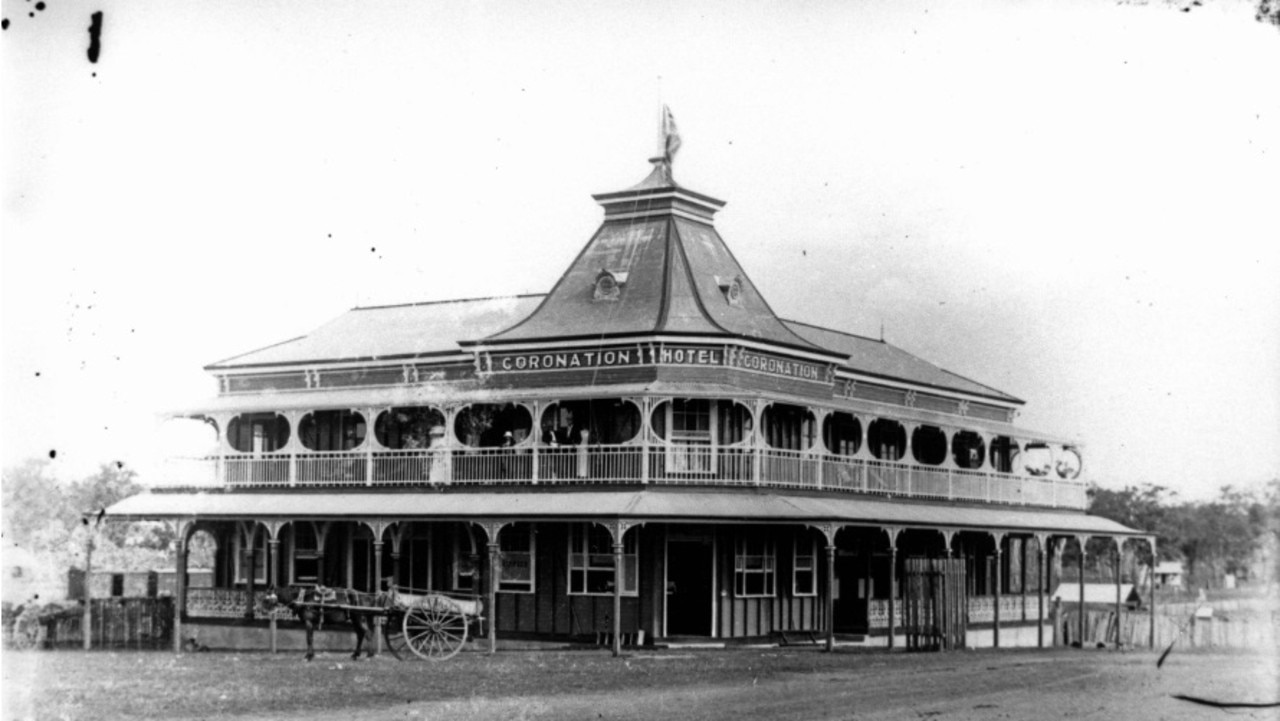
(584, 462)
(508, 446)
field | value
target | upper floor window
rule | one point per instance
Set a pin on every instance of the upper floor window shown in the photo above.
(605, 420)
(929, 445)
(887, 439)
(332, 430)
(591, 561)
(842, 434)
(687, 424)
(754, 565)
(968, 449)
(1003, 452)
(409, 428)
(788, 427)
(493, 425)
(258, 432)
(516, 548)
(1068, 463)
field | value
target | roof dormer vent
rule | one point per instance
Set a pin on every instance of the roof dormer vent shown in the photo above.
(732, 289)
(609, 284)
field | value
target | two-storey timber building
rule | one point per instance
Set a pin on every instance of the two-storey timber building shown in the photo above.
(644, 453)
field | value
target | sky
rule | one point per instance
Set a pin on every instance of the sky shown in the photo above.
(1074, 202)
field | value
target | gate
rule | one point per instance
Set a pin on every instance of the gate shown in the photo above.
(935, 608)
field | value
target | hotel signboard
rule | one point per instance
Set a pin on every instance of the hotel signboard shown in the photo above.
(657, 354)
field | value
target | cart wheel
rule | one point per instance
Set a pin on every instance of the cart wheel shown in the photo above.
(435, 629)
(393, 635)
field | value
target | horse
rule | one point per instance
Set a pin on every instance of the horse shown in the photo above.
(307, 604)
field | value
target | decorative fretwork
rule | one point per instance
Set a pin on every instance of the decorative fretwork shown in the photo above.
(1012, 608)
(878, 613)
(229, 603)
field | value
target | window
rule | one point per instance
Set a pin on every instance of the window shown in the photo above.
(244, 556)
(753, 566)
(419, 562)
(515, 546)
(804, 567)
(306, 553)
(591, 561)
(690, 424)
(463, 566)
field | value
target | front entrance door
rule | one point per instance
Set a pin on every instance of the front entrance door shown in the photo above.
(851, 590)
(689, 586)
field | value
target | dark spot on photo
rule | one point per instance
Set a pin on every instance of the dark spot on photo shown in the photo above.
(4, 24)
(53, 453)
(95, 36)
(40, 6)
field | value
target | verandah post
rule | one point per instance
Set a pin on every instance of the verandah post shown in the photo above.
(1084, 542)
(376, 626)
(1119, 557)
(273, 546)
(617, 593)
(495, 562)
(893, 591)
(995, 628)
(830, 600)
(1151, 581)
(1041, 582)
(179, 587)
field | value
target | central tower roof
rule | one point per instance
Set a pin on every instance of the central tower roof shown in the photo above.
(656, 266)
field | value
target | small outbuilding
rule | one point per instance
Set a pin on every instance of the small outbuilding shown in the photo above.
(1169, 574)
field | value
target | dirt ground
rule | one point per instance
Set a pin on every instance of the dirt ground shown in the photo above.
(768, 683)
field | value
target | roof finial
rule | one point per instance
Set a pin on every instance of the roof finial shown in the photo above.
(669, 136)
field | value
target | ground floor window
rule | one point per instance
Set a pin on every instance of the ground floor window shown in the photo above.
(306, 553)
(251, 556)
(419, 562)
(463, 566)
(754, 564)
(516, 548)
(591, 561)
(804, 576)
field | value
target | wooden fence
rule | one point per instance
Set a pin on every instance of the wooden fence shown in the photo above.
(935, 609)
(1240, 631)
(116, 623)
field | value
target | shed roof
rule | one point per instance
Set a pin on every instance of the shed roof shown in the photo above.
(650, 504)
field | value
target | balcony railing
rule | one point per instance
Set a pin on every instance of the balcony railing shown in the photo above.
(675, 464)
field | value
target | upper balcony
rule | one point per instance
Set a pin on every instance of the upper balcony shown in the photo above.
(686, 441)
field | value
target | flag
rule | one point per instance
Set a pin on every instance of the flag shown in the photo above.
(670, 135)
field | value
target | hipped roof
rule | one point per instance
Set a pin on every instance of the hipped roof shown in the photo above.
(424, 330)
(658, 241)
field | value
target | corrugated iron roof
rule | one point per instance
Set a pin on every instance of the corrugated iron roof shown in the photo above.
(877, 358)
(395, 331)
(650, 504)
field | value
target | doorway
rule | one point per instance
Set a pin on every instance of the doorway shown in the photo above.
(850, 593)
(689, 585)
